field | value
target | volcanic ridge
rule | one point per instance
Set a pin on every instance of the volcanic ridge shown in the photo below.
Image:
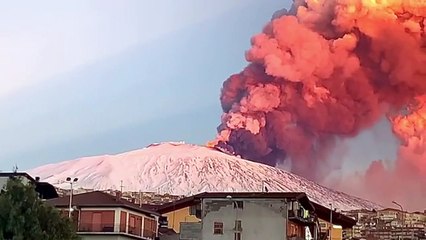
(185, 169)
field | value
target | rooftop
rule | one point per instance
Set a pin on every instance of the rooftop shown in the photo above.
(17, 174)
(100, 199)
(46, 190)
(337, 218)
(188, 201)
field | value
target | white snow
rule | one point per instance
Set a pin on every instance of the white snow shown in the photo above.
(185, 169)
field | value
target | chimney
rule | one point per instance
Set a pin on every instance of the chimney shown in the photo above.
(118, 195)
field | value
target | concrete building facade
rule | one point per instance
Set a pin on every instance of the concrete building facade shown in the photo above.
(244, 218)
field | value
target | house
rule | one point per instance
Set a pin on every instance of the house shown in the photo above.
(333, 223)
(44, 189)
(99, 215)
(255, 215)
(242, 215)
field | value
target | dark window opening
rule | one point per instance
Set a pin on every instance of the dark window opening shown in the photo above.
(218, 228)
(238, 204)
(237, 226)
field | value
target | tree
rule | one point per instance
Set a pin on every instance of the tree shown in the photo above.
(23, 215)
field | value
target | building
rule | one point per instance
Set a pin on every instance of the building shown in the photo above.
(388, 223)
(248, 216)
(100, 215)
(44, 189)
(333, 223)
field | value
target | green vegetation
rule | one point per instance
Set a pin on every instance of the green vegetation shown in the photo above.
(23, 216)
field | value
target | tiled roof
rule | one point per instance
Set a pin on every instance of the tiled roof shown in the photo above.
(98, 199)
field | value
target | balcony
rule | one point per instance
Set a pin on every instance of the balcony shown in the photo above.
(111, 229)
(300, 217)
(96, 227)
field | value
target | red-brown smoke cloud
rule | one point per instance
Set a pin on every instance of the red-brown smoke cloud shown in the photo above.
(326, 70)
(405, 180)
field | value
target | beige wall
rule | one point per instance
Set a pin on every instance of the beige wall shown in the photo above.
(336, 233)
(181, 215)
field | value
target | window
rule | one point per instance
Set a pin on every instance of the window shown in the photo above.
(135, 224)
(237, 226)
(97, 221)
(195, 210)
(150, 228)
(238, 204)
(132, 221)
(237, 236)
(123, 217)
(294, 230)
(192, 210)
(218, 228)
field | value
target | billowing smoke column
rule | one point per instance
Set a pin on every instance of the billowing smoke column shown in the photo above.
(323, 71)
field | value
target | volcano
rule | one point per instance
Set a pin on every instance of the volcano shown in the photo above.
(186, 169)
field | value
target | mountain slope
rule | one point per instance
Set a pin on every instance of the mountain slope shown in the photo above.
(185, 169)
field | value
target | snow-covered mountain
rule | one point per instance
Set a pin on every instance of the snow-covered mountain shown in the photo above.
(185, 169)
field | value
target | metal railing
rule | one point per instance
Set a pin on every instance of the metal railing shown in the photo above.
(299, 214)
(96, 227)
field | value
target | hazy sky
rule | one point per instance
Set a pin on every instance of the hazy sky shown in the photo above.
(89, 77)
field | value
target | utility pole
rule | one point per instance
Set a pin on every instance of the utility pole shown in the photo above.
(71, 181)
(331, 219)
(402, 212)
(402, 217)
(121, 186)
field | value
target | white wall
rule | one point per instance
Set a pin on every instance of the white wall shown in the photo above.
(3, 181)
(260, 219)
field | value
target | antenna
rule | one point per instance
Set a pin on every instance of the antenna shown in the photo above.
(15, 168)
(121, 186)
(264, 187)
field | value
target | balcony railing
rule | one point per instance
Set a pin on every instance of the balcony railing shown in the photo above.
(110, 228)
(96, 227)
(299, 216)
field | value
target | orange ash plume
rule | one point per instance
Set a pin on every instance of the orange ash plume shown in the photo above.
(323, 71)
(411, 130)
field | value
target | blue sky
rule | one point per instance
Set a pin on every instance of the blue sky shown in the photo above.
(91, 77)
